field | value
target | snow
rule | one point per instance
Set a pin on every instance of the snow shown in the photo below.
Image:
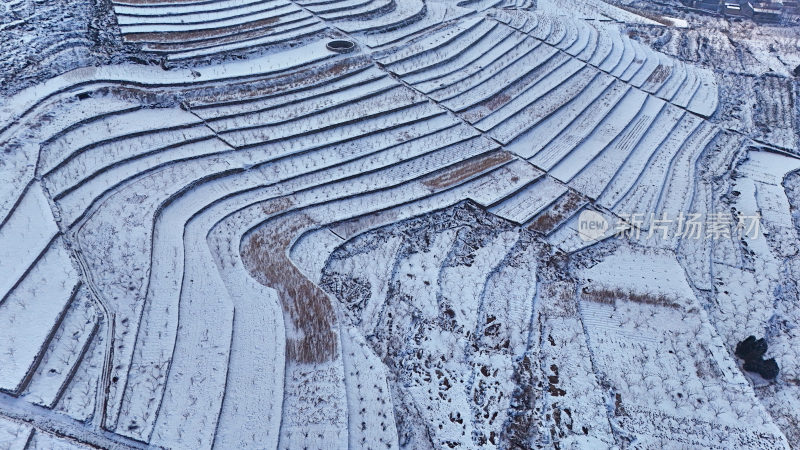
(530, 201)
(560, 132)
(196, 30)
(584, 35)
(187, 405)
(436, 53)
(627, 60)
(159, 260)
(371, 417)
(676, 192)
(404, 22)
(17, 171)
(380, 96)
(570, 237)
(148, 75)
(544, 81)
(480, 81)
(159, 349)
(650, 183)
(24, 237)
(383, 248)
(66, 147)
(415, 274)
(255, 382)
(122, 7)
(704, 391)
(503, 182)
(565, 364)
(148, 14)
(621, 270)
(177, 227)
(79, 398)
(651, 61)
(559, 91)
(68, 346)
(42, 441)
(312, 249)
(594, 177)
(639, 157)
(540, 62)
(404, 11)
(595, 10)
(381, 258)
(14, 435)
(345, 9)
(673, 84)
(472, 60)
(304, 89)
(621, 115)
(41, 298)
(42, 128)
(218, 21)
(291, 30)
(603, 47)
(405, 60)
(676, 22)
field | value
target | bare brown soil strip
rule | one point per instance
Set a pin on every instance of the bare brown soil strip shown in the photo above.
(306, 307)
(610, 297)
(179, 36)
(659, 75)
(236, 92)
(465, 169)
(154, 2)
(182, 46)
(497, 101)
(566, 205)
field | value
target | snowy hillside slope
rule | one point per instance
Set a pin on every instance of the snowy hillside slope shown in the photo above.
(264, 242)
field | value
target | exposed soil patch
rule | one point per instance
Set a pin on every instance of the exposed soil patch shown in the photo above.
(463, 170)
(180, 36)
(305, 305)
(610, 297)
(563, 208)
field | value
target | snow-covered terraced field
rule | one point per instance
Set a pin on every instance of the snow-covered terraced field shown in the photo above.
(287, 246)
(180, 30)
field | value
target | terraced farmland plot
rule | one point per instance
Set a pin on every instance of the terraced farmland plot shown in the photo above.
(180, 30)
(274, 240)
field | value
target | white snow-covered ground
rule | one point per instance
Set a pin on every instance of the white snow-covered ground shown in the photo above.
(229, 235)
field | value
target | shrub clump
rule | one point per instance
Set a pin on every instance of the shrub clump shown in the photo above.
(752, 351)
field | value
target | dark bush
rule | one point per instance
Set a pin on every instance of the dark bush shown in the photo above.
(751, 348)
(768, 369)
(752, 351)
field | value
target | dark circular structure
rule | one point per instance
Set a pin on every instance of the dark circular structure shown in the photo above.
(340, 46)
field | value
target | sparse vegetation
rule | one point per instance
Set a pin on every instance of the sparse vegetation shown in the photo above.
(611, 296)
